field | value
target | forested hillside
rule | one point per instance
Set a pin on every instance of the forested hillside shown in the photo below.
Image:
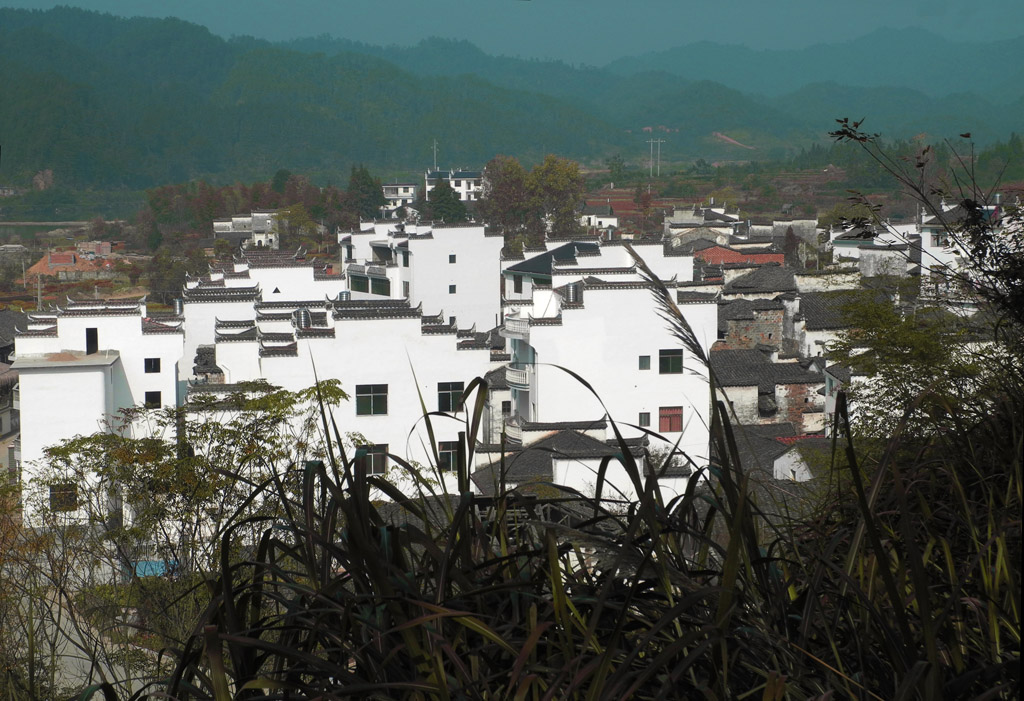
(109, 103)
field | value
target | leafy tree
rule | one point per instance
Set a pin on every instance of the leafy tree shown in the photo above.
(556, 189)
(506, 204)
(445, 205)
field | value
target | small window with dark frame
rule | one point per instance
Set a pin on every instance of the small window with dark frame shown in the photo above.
(670, 362)
(645, 362)
(63, 496)
(644, 419)
(451, 289)
(152, 400)
(377, 459)
(517, 284)
(448, 455)
(451, 257)
(371, 400)
(449, 396)
(152, 365)
(670, 419)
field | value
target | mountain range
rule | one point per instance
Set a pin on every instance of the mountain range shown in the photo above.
(107, 102)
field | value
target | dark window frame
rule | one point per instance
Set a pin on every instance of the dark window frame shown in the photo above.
(449, 396)
(670, 361)
(151, 365)
(371, 400)
(152, 400)
(447, 455)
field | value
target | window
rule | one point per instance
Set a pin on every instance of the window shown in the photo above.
(371, 400)
(377, 459)
(645, 419)
(405, 259)
(517, 283)
(451, 258)
(670, 419)
(359, 283)
(152, 364)
(449, 396)
(92, 341)
(63, 496)
(405, 289)
(448, 455)
(670, 362)
(451, 289)
(645, 362)
(506, 408)
(380, 286)
(153, 400)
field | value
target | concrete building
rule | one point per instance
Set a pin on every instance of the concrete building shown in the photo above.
(81, 364)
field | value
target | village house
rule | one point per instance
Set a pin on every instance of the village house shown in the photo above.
(82, 363)
(468, 184)
(258, 229)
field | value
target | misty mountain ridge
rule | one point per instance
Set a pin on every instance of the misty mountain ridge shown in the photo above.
(135, 102)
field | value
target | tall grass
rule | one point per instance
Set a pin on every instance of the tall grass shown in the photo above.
(904, 584)
(901, 581)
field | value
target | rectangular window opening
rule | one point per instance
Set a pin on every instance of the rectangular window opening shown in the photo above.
(645, 362)
(64, 496)
(670, 362)
(448, 455)
(377, 459)
(644, 419)
(449, 396)
(152, 365)
(371, 400)
(152, 400)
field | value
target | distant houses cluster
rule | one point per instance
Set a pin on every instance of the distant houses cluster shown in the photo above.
(411, 312)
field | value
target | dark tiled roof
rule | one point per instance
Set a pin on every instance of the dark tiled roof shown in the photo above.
(541, 264)
(824, 310)
(767, 278)
(534, 463)
(743, 368)
(496, 379)
(10, 320)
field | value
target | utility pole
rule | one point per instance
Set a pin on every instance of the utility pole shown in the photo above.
(435, 155)
(650, 161)
(659, 142)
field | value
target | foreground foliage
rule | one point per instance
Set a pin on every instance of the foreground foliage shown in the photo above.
(903, 585)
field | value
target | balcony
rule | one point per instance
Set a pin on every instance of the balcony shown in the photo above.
(516, 328)
(513, 431)
(518, 378)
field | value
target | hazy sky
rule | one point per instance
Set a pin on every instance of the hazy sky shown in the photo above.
(579, 31)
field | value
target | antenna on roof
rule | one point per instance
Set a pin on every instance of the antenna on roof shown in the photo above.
(435, 155)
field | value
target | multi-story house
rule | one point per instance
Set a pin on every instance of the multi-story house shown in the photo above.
(81, 364)
(468, 184)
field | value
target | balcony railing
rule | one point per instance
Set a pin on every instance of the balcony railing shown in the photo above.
(520, 377)
(513, 431)
(516, 327)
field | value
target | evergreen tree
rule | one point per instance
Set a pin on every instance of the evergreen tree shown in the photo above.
(365, 193)
(445, 204)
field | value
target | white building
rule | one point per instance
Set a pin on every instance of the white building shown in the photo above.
(80, 365)
(399, 195)
(468, 184)
(258, 229)
(452, 270)
(601, 322)
(411, 317)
